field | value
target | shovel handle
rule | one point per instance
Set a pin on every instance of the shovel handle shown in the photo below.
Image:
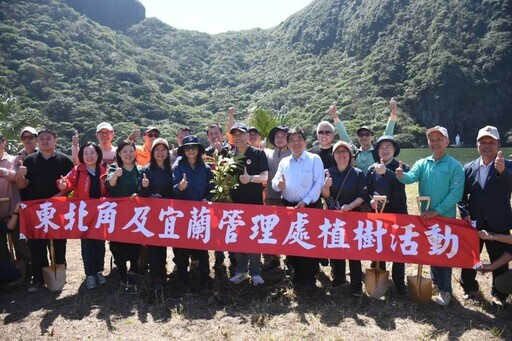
(423, 198)
(382, 199)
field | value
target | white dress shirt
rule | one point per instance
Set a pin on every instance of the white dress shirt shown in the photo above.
(304, 178)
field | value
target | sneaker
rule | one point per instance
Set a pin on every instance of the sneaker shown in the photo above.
(100, 278)
(257, 280)
(239, 278)
(443, 298)
(90, 283)
(498, 302)
(35, 287)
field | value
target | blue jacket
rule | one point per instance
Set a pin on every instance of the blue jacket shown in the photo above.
(199, 181)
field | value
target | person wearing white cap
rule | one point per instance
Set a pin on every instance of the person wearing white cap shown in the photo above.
(440, 177)
(486, 201)
(105, 135)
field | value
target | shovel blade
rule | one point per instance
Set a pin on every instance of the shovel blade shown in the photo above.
(376, 282)
(54, 277)
(420, 288)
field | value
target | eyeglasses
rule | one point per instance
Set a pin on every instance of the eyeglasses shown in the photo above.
(190, 148)
(324, 132)
(152, 135)
(27, 137)
(364, 134)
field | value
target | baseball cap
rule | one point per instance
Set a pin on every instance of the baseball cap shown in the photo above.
(30, 130)
(364, 128)
(240, 127)
(253, 129)
(488, 131)
(104, 125)
(439, 129)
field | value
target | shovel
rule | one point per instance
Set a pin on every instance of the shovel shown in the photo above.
(420, 288)
(55, 274)
(20, 264)
(376, 280)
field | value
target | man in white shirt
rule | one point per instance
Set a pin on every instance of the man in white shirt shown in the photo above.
(299, 179)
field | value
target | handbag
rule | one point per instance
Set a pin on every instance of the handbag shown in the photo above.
(334, 204)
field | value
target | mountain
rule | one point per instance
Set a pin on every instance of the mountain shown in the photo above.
(448, 62)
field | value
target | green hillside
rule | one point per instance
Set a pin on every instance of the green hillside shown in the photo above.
(448, 62)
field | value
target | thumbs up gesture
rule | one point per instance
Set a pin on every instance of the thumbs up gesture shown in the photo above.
(145, 181)
(328, 179)
(393, 104)
(232, 110)
(333, 110)
(400, 170)
(183, 183)
(22, 170)
(499, 163)
(62, 183)
(380, 168)
(245, 178)
(119, 171)
(282, 183)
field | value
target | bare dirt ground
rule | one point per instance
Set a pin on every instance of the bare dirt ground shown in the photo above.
(274, 311)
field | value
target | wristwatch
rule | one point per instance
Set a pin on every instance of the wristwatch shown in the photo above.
(252, 178)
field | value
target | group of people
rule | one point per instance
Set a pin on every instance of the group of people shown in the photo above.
(331, 175)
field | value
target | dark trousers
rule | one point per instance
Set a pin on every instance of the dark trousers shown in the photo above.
(122, 253)
(181, 258)
(93, 256)
(8, 273)
(38, 250)
(468, 276)
(157, 256)
(397, 273)
(356, 271)
(305, 268)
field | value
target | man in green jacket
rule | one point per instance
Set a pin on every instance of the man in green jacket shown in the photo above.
(440, 177)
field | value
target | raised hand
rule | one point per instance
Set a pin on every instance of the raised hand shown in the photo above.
(145, 181)
(75, 139)
(380, 168)
(119, 171)
(232, 111)
(183, 183)
(393, 104)
(499, 163)
(135, 133)
(22, 170)
(62, 183)
(282, 183)
(333, 110)
(400, 170)
(328, 179)
(245, 178)
(217, 145)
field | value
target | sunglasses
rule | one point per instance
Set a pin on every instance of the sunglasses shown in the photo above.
(27, 137)
(324, 132)
(364, 134)
(152, 134)
(189, 148)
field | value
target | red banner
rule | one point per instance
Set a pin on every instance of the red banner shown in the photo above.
(255, 229)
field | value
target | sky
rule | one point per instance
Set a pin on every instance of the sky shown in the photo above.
(217, 16)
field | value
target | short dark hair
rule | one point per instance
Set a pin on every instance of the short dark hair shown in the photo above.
(48, 131)
(120, 146)
(185, 128)
(295, 131)
(213, 125)
(95, 146)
